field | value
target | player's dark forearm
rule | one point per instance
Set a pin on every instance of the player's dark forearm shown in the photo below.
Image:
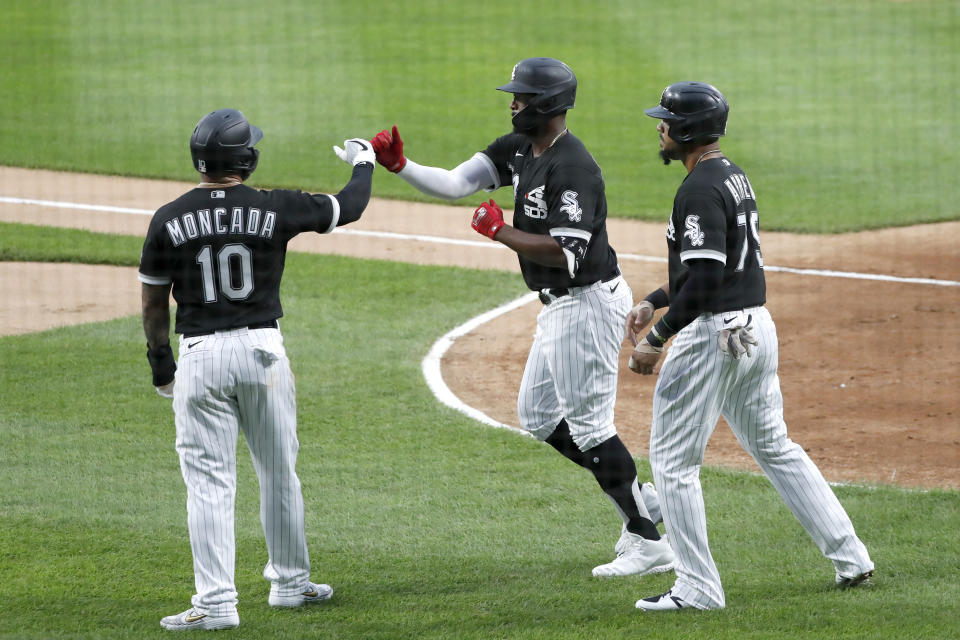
(155, 304)
(354, 197)
(693, 298)
(538, 248)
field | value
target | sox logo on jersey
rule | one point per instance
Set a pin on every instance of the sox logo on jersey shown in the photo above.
(692, 224)
(539, 208)
(570, 206)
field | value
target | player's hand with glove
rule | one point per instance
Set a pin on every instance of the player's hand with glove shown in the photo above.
(637, 320)
(488, 219)
(644, 358)
(355, 151)
(164, 369)
(389, 149)
(737, 340)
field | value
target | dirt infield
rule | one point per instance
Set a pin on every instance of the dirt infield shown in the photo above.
(870, 369)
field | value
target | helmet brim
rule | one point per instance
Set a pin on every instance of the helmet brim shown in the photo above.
(519, 87)
(256, 135)
(660, 112)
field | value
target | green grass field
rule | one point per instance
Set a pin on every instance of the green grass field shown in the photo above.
(427, 524)
(842, 110)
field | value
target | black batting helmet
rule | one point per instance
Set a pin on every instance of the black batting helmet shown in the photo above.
(222, 143)
(695, 111)
(550, 81)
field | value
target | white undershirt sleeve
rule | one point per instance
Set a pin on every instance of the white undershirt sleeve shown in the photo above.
(463, 180)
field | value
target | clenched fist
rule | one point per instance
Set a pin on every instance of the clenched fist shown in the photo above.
(487, 219)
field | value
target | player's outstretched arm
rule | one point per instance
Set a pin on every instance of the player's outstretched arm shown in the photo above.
(463, 180)
(355, 196)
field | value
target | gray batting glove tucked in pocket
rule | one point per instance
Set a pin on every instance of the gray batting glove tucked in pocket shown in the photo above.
(737, 339)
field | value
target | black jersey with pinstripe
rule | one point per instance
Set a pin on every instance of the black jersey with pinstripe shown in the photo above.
(223, 250)
(559, 193)
(715, 218)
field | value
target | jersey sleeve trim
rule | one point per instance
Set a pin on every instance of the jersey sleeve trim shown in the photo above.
(706, 254)
(574, 243)
(335, 218)
(156, 280)
(491, 169)
(571, 232)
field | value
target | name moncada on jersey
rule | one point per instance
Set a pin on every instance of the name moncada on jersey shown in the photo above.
(243, 221)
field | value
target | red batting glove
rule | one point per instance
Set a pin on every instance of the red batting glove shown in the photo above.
(389, 149)
(487, 219)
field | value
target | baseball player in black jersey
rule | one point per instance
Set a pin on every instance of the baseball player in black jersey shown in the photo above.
(716, 295)
(221, 247)
(559, 234)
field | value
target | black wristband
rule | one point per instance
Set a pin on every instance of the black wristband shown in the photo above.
(162, 364)
(658, 298)
(659, 334)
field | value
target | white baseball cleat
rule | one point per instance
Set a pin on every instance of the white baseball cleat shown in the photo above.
(193, 620)
(641, 557)
(651, 500)
(310, 594)
(621, 547)
(663, 602)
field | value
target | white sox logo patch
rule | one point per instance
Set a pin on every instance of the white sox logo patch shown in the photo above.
(570, 206)
(539, 208)
(671, 231)
(692, 223)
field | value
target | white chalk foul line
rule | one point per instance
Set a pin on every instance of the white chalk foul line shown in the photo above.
(821, 273)
(431, 363)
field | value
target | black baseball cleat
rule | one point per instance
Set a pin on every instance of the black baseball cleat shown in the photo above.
(845, 582)
(663, 602)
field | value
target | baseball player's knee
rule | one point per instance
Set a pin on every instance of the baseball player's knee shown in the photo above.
(561, 441)
(539, 431)
(771, 450)
(540, 424)
(590, 436)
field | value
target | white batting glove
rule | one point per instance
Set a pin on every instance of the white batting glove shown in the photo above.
(355, 151)
(166, 391)
(735, 341)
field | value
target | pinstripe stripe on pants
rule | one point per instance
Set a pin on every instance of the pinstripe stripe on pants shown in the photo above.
(571, 370)
(698, 383)
(231, 381)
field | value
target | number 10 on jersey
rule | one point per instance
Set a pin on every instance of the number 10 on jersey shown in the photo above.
(219, 274)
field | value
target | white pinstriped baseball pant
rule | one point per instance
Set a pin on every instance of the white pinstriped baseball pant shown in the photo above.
(231, 381)
(698, 383)
(571, 370)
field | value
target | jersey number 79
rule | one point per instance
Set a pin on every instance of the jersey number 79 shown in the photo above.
(742, 222)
